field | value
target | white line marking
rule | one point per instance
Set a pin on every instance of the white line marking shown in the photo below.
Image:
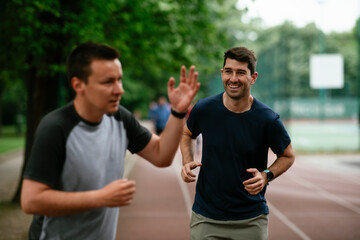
(287, 222)
(183, 186)
(326, 194)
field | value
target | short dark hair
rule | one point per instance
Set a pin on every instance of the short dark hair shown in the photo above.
(242, 54)
(79, 60)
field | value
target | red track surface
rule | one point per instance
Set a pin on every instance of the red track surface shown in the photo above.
(307, 202)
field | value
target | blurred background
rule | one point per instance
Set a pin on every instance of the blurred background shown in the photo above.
(156, 37)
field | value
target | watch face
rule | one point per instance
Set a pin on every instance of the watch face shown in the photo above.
(270, 175)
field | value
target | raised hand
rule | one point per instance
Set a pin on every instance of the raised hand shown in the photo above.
(182, 96)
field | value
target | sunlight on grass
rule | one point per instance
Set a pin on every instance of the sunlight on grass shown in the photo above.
(10, 140)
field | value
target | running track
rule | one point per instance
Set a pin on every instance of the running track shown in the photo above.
(318, 198)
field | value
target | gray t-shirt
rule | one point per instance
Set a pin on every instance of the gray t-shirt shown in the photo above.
(71, 154)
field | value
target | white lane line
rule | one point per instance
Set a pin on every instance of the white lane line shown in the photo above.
(326, 194)
(183, 186)
(287, 222)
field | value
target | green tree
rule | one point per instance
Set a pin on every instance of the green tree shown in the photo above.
(10, 60)
(345, 43)
(155, 38)
(47, 31)
(284, 52)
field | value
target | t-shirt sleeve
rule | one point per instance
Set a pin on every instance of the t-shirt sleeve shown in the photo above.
(192, 120)
(47, 154)
(138, 135)
(278, 137)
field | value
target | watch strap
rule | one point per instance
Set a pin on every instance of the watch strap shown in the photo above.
(177, 114)
(269, 174)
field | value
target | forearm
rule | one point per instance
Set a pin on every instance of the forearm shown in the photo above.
(187, 147)
(283, 162)
(170, 139)
(51, 202)
(187, 152)
(161, 150)
(281, 165)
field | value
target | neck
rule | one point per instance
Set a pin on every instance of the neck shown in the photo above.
(85, 112)
(239, 105)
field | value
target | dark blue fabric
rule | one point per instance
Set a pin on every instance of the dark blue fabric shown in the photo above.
(232, 143)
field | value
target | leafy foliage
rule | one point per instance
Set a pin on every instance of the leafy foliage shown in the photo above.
(284, 55)
(155, 38)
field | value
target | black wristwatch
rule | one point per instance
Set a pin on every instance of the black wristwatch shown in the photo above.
(269, 174)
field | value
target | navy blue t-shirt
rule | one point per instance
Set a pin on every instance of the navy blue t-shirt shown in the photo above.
(232, 143)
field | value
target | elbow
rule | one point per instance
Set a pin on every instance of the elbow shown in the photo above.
(29, 206)
(163, 164)
(25, 203)
(292, 157)
(291, 160)
(28, 200)
(26, 206)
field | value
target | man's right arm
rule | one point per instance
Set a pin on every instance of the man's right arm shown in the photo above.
(187, 152)
(40, 199)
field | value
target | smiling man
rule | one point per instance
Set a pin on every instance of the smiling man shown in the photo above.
(237, 132)
(73, 183)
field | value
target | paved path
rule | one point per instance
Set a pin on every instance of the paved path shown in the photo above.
(158, 210)
(318, 198)
(14, 223)
(10, 168)
(313, 202)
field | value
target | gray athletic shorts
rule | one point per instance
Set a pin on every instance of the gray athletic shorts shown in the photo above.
(202, 228)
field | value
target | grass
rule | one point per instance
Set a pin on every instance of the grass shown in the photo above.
(7, 205)
(10, 140)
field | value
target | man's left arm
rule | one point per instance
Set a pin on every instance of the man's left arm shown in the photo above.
(281, 164)
(161, 150)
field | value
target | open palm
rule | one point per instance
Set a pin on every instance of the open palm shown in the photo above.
(182, 96)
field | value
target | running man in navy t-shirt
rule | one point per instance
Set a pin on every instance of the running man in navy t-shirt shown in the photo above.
(237, 132)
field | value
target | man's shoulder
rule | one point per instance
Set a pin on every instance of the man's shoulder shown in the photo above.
(63, 112)
(263, 109)
(216, 99)
(122, 114)
(62, 118)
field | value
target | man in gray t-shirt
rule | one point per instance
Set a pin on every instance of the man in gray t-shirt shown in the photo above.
(73, 182)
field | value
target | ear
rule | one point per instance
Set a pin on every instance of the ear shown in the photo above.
(77, 84)
(253, 78)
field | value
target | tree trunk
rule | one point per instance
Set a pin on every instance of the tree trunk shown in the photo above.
(42, 83)
(42, 97)
(1, 106)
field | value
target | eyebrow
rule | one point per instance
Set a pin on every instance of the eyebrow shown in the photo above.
(237, 70)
